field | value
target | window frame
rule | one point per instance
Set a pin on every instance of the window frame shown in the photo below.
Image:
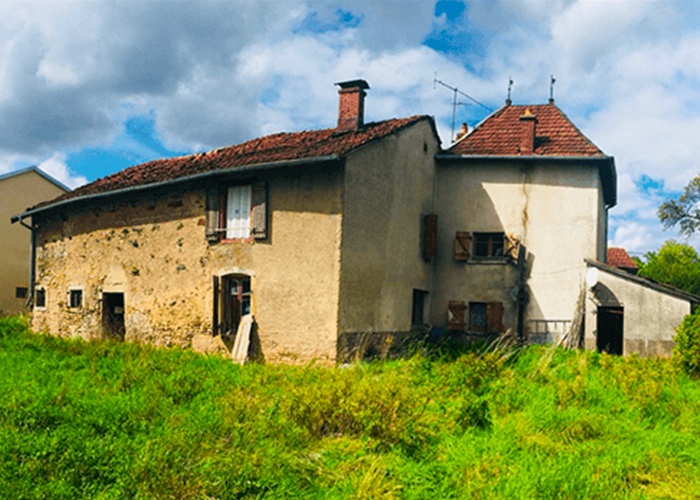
(79, 292)
(494, 241)
(219, 208)
(21, 292)
(493, 313)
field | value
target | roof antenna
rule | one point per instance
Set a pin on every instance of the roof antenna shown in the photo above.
(456, 103)
(510, 86)
(552, 81)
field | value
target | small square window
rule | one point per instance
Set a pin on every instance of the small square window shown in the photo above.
(21, 292)
(40, 298)
(75, 298)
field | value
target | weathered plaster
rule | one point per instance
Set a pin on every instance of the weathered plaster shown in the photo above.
(154, 250)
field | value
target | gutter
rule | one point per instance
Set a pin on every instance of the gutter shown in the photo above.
(232, 172)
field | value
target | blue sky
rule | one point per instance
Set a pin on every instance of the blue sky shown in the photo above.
(90, 87)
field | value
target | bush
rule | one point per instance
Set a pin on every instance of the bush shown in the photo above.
(686, 353)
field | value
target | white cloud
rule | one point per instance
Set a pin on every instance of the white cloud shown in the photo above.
(56, 167)
(215, 73)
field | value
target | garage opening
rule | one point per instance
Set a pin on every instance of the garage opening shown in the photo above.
(610, 327)
(113, 315)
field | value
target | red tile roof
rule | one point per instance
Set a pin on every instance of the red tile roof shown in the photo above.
(499, 134)
(618, 257)
(264, 150)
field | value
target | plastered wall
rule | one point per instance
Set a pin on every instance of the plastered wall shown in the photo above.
(17, 193)
(552, 208)
(387, 189)
(154, 250)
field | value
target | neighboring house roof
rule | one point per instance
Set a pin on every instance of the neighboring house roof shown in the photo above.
(500, 136)
(649, 283)
(273, 150)
(618, 257)
(38, 171)
(500, 133)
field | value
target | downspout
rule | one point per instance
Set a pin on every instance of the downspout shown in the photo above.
(32, 257)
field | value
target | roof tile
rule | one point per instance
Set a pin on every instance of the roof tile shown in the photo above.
(499, 134)
(272, 148)
(618, 257)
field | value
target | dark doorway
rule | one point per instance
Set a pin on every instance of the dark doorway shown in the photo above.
(232, 301)
(610, 325)
(113, 315)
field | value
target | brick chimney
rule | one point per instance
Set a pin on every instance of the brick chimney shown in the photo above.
(351, 109)
(527, 132)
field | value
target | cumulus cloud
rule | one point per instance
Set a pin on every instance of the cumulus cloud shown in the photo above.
(56, 167)
(212, 73)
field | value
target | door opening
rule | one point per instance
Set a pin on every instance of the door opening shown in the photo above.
(231, 303)
(113, 315)
(610, 328)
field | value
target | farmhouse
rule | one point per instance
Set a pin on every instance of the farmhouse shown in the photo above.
(338, 242)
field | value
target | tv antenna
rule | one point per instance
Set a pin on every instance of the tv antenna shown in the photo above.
(455, 102)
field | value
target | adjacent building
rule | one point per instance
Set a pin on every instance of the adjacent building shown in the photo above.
(19, 190)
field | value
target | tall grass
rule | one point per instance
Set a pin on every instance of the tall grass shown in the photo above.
(108, 420)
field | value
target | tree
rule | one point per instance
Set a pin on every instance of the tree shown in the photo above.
(675, 264)
(684, 211)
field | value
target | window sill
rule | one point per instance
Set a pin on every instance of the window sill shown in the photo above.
(488, 260)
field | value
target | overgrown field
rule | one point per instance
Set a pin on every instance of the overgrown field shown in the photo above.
(107, 420)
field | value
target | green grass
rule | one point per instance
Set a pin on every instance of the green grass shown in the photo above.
(107, 420)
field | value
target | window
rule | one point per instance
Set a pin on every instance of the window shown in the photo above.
(237, 221)
(477, 316)
(237, 212)
(418, 307)
(489, 245)
(21, 292)
(40, 298)
(232, 301)
(75, 298)
(486, 317)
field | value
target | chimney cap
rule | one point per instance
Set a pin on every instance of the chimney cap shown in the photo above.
(362, 84)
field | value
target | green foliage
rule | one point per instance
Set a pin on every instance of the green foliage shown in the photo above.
(686, 352)
(684, 211)
(675, 264)
(109, 420)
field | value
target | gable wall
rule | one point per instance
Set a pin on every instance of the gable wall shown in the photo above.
(388, 186)
(553, 210)
(154, 250)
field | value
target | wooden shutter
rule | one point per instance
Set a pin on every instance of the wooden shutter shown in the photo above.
(215, 306)
(429, 236)
(212, 208)
(259, 209)
(512, 247)
(462, 246)
(455, 314)
(494, 316)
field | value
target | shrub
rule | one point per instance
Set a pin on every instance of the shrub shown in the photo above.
(686, 353)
